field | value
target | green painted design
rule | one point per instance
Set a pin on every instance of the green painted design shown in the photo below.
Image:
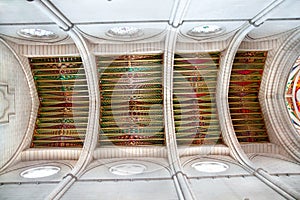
(195, 77)
(131, 100)
(63, 111)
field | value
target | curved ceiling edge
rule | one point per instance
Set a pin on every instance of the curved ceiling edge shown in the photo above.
(270, 37)
(184, 37)
(128, 160)
(211, 158)
(156, 36)
(28, 41)
(34, 104)
(275, 86)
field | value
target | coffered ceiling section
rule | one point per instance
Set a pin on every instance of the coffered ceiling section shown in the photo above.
(63, 112)
(131, 100)
(245, 110)
(195, 114)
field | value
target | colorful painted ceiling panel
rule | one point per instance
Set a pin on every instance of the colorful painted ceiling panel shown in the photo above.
(292, 95)
(131, 110)
(63, 94)
(243, 100)
(195, 80)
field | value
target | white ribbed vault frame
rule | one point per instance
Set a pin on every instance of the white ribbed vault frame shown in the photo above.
(223, 106)
(272, 97)
(178, 176)
(89, 64)
(34, 105)
(180, 180)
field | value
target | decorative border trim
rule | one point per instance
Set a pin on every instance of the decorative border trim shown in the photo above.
(136, 48)
(222, 89)
(48, 50)
(182, 185)
(262, 148)
(34, 105)
(205, 46)
(129, 152)
(272, 97)
(50, 154)
(16, 39)
(8, 111)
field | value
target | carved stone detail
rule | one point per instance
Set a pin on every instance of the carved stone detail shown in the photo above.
(7, 103)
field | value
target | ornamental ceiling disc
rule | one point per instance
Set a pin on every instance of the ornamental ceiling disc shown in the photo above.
(210, 167)
(40, 172)
(127, 169)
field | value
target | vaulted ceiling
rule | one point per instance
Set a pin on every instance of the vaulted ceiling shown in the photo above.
(95, 18)
(60, 92)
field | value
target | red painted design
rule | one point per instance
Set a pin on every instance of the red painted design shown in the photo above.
(244, 72)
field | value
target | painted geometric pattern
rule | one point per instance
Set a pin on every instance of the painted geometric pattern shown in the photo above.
(195, 80)
(243, 100)
(292, 95)
(131, 110)
(63, 94)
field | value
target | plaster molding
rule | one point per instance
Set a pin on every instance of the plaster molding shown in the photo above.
(178, 12)
(272, 97)
(132, 152)
(272, 137)
(182, 185)
(225, 159)
(104, 162)
(48, 50)
(34, 103)
(20, 40)
(218, 149)
(203, 46)
(183, 37)
(226, 62)
(91, 137)
(7, 106)
(269, 37)
(156, 36)
(89, 64)
(50, 154)
(223, 106)
(270, 155)
(127, 48)
(264, 44)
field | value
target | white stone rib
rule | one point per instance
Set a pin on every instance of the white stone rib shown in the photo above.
(272, 97)
(182, 185)
(89, 64)
(34, 106)
(223, 106)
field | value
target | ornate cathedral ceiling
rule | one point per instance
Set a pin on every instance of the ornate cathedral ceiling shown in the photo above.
(181, 93)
